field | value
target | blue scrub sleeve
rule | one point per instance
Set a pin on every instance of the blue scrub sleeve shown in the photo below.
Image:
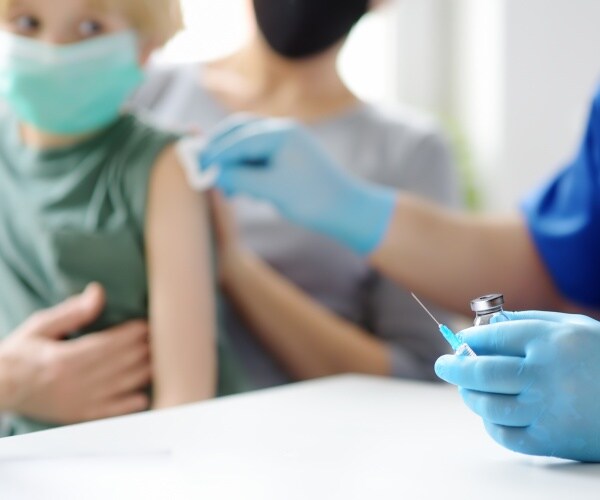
(564, 220)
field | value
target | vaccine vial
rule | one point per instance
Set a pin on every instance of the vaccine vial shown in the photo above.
(486, 307)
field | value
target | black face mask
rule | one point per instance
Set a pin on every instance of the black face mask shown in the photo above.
(296, 29)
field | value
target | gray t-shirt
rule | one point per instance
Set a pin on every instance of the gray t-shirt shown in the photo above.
(391, 147)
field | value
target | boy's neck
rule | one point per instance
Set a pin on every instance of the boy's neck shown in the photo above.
(37, 139)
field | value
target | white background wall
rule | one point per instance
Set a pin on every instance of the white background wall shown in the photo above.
(518, 78)
(513, 77)
(552, 66)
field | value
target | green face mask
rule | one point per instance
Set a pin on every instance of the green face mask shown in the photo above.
(69, 89)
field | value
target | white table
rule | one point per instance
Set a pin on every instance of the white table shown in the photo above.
(340, 438)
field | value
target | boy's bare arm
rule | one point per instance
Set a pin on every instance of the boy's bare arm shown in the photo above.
(182, 302)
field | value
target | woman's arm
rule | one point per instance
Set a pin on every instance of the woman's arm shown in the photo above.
(182, 302)
(304, 336)
(427, 170)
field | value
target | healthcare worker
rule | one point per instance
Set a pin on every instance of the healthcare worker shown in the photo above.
(299, 305)
(66, 382)
(535, 382)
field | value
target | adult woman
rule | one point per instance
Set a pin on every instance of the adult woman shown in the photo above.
(332, 313)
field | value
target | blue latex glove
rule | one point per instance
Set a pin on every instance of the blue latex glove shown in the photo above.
(535, 383)
(280, 162)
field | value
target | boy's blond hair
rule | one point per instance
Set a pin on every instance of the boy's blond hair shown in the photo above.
(156, 20)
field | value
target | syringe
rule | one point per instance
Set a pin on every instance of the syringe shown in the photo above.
(460, 348)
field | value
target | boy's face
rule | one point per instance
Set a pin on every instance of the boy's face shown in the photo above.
(60, 22)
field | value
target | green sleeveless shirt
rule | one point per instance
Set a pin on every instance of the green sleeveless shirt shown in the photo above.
(75, 215)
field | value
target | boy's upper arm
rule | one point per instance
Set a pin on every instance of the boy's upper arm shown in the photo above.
(173, 206)
(182, 304)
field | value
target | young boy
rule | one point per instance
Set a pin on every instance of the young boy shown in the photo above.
(89, 194)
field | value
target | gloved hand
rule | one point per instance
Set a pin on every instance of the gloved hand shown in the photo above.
(534, 383)
(280, 162)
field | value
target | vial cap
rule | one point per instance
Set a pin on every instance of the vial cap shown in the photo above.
(487, 302)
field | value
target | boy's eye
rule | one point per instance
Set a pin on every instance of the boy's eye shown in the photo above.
(26, 24)
(91, 28)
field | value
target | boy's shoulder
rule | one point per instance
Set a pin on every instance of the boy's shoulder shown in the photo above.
(135, 156)
(140, 141)
(143, 127)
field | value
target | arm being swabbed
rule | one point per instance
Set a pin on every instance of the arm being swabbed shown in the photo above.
(182, 302)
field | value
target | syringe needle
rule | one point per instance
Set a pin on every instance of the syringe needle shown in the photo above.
(426, 310)
(459, 347)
